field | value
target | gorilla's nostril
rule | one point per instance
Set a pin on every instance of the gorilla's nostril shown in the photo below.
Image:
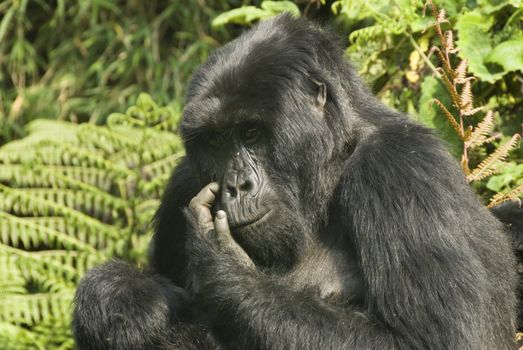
(246, 186)
(231, 191)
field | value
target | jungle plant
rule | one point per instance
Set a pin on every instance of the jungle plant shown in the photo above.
(73, 196)
(81, 60)
(458, 83)
(249, 14)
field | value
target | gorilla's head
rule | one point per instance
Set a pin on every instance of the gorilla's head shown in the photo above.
(268, 118)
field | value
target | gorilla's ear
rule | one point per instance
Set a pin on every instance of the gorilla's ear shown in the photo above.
(321, 95)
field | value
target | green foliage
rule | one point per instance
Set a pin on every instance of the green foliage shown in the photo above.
(74, 196)
(508, 54)
(81, 60)
(379, 29)
(492, 52)
(487, 31)
(249, 14)
(510, 178)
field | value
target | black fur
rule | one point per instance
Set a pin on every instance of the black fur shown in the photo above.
(373, 240)
(511, 214)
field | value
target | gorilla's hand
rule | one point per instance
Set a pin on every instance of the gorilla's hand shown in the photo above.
(214, 237)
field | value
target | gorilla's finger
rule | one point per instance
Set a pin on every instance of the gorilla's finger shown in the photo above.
(206, 196)
(221, 226)
(201, 206)
(223, 234)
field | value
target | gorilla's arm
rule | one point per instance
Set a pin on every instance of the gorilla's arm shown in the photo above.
(120, 308)
(426, 284)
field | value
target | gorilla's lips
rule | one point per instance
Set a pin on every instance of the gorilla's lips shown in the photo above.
(248, 222)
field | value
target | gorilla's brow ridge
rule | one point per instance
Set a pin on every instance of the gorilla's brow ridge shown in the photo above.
(219, 118)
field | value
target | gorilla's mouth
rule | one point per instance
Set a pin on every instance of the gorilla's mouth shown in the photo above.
(249, 222)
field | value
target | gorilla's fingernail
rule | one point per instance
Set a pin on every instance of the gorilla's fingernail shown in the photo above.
(220, 214)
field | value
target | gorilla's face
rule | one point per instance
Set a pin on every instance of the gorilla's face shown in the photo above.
(238, 155)
(241, 149)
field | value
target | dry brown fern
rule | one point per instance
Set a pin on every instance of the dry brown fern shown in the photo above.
(458, 83)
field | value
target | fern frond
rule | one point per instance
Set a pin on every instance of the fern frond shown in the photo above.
(62, 264)
(108, 140)
(12, 287)
(55, 333)
(442, 17)
(155, 186)
(33, 308)
(98, 205)
(456, 98)
(486, 141)
(20, 203)
(460, 73)
(463, 101)
(366, 33)
(17, 337)
(450, 118)
(161, 167)
(481, 132)
(466, 96)
(72, 177)
(18, 271)
(488, 166)
(49, 154)
(513, 195)
(449, 40)
(25, 233)
(72, 197)
(446, 71)
(471, 111)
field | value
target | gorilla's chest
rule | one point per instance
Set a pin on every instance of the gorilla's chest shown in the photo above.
(329, 274)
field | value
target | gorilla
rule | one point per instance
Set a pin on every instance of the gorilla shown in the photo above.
(306, 215)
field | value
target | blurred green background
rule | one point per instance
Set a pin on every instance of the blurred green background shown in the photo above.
(91, 92)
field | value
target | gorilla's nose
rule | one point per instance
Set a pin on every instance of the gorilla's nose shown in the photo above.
(239, 185)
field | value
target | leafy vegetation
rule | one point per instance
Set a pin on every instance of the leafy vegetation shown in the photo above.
(82, 60)
(74, 196)
(458, 83)
(248, 14)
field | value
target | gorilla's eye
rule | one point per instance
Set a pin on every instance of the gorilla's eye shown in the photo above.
(250, 133)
